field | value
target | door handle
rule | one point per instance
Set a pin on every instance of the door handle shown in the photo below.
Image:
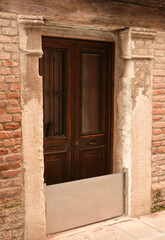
(92, 142)
(52, 145)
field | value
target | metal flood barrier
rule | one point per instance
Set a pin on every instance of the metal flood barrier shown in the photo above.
(78, 203)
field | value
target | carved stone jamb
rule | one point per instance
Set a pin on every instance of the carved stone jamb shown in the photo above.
(134, 107)
(30, 29)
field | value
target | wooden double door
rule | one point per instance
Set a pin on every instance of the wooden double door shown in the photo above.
(78, 109)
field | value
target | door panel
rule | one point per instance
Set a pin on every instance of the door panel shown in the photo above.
(91, 119)
(55, 67)
(77, 106)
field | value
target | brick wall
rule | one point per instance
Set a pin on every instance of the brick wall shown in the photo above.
(158, 157)
(11, 190)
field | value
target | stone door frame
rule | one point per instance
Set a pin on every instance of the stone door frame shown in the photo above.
(132, 108)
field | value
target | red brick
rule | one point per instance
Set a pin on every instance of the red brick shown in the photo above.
(9, 142)
(14, 102)
(13, 110)
(10, 173)
(14, 86)
(9, 31)
(158, 53)
(158, 66)
(160, 72)
(4, 55)
(159, 85)
(13, 95)
(1, 111)
(14, 23)
(157, 144)
(11, 48)
(3, 87)
(15, 56)
(10, 63)
(12, 79)
(3, 103)
(16, 165)
(154, 150)
(17, 134)
(18, 141)
(1, 159)
(158, 111)
(2, 95)
(15, 40)
(159, 99)
(5, 134)
(4, 167)
(159, 46)
(157, 105)
(159, 124)
(11, 126)
(161, 150)
(11, 182)
(3, 151)
(158, 79)
(5, 118)
(157, 131)
(163, 130)
(156, 118)
(15, 70)
(5, 70)
(14, 157)
(16, 149)
(17, 118)
(5, 39)
(4, 23)
(1, 143)
(2, 79)
(9, 192)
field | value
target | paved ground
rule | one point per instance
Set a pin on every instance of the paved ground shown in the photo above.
(150, 227)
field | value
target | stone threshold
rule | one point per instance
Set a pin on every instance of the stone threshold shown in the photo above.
(85, 228)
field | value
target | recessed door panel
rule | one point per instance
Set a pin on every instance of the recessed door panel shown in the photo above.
(91, 92)
(91, 162)
(55, 168)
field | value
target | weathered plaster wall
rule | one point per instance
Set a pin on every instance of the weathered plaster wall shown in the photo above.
(32, 126)
(134, 108)
(158, 150)
(11, 181)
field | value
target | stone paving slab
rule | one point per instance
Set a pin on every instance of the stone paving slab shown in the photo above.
(150, 227)
(156, 220)
(137, 229)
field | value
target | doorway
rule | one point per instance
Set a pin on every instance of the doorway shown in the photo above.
(78, 109)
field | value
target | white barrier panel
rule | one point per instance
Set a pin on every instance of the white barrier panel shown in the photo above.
(78, 203)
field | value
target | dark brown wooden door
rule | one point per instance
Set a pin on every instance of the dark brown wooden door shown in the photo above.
(78, 114)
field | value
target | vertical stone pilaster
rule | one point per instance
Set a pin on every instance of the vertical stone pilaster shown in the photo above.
(30, 28)
(135, 120)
